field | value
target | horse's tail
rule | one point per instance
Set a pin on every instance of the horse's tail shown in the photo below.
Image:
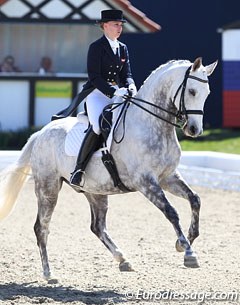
(13, 178)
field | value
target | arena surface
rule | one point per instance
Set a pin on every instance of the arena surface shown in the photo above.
(86, 271)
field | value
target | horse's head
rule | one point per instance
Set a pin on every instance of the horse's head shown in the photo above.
(191, 96)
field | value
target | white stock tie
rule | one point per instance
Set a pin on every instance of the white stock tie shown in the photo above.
(115, 46)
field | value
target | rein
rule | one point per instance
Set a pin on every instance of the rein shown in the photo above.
(181, 115)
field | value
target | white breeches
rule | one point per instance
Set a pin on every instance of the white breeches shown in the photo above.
(95, 103)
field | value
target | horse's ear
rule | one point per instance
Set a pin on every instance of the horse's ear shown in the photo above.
(197, 63)
(210, 68)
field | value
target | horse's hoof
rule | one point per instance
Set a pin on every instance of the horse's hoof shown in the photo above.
(52, 281)
(125, 266)
(191, 261)
(179, 247)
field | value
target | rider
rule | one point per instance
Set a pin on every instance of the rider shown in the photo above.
(109, 75)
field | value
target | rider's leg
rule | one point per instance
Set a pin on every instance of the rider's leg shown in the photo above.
(87, 149)
(95, 103)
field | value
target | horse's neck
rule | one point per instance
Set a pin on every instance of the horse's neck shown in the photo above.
(144, 127)
(158, 95)
(158, 89)
(163, 83)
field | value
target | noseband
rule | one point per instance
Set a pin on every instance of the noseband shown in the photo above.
(182, 111)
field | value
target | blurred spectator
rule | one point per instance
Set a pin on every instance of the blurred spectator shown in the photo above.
(8, 65)
(45, 65)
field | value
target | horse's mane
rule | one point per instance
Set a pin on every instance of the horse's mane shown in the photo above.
(164, 67)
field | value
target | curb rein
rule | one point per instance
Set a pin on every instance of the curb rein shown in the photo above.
(182, 112)
(181, 115)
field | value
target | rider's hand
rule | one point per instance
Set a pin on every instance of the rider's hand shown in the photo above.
(133, 90)
(121, 91)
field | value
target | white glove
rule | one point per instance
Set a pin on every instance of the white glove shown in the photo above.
(132, 88)
(121, 91)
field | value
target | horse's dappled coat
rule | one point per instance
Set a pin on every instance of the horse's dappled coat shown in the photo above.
(147, 160)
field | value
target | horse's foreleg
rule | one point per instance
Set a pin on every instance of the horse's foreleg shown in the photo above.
(178, 187)
(99, 207)
(46, 203)
(152, 190)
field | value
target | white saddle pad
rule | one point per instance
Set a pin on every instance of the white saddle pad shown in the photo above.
(76, 134)
(74, 139)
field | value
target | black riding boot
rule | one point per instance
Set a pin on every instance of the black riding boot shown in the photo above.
(89, 144)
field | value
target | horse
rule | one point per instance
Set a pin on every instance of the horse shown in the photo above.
(147, 158)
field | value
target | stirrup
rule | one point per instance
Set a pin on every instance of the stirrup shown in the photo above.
(77, 182)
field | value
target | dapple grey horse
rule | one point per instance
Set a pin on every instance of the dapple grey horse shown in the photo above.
(147, 158)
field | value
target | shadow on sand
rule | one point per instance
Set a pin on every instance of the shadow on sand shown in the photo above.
(58, 293)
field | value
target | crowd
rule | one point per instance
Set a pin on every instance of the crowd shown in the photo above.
(8, 65)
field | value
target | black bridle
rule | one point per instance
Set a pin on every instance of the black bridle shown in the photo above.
(182, 111)
(181, 115)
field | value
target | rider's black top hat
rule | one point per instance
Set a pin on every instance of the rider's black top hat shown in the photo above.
(111, 15)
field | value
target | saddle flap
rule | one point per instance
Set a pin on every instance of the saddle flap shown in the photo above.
(74, 139)
(76, 133)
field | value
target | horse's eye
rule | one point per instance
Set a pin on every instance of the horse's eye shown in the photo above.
(192, 92)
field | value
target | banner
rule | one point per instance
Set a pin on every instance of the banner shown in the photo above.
(53, 89)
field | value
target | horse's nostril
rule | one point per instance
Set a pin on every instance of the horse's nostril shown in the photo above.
(192, 130)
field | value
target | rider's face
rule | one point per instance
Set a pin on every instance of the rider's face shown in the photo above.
(113, 29)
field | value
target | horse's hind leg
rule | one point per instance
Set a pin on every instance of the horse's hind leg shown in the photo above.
(152, 190)
(99, 207)
(178, 187)
(47, 194)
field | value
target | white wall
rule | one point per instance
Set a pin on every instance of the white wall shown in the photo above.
(14, 104)
(231, 44)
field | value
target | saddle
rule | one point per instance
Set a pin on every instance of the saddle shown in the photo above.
(75, 136)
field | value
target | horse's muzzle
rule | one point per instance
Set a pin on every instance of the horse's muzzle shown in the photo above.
(192, 130)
